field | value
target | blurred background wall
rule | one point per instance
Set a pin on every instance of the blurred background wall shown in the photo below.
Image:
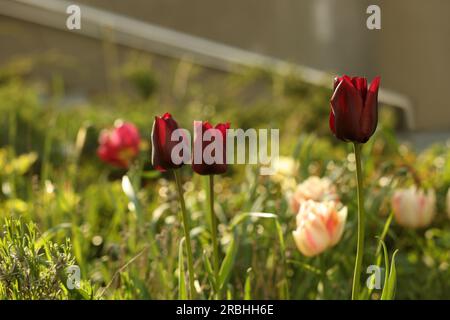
(411, 52)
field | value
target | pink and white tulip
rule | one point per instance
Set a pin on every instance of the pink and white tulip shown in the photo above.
(413, 208)
(320, 225)
(313, 188)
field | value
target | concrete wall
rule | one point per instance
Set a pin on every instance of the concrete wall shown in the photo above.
(411, 52)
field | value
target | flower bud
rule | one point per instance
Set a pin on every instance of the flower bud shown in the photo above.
(162, 144)
(354, 108)
(201, 144)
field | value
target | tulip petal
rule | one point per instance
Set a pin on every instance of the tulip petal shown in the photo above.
(332, 122)
(413, 208)
(430, 207)
(347, 78)
(119, 145)
(214, 168)
(340, 225)
(347, 106)
(336, 81)
(369, 116)
(162, 145)
(301, 243)
(360, 83)
(375, 84)
(158, 134)
(316, 235)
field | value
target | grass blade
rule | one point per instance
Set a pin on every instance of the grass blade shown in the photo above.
(227, 264)
(182, 292)
(248, 285)
(209, 270)
(386, 272)
(392, 281)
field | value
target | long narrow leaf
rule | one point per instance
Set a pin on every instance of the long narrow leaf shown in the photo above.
(248, 285)
(386, 271)
(379, 255)
(386, 226)
(128, 189)
(209, 270)
(182, 293)
(392, 281)
(283, 259)
(227, 264)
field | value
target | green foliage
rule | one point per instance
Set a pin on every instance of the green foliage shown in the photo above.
(32, 268)
(123, 229)
(138, 71)
(182, 276)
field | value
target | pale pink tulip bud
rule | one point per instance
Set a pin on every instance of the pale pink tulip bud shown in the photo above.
(319, 226)
(413, 208)
(313, 188)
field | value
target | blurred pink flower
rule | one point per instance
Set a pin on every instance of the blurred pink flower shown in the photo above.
(313, 188)
(320, 225)
(120, 145)
(413, 208)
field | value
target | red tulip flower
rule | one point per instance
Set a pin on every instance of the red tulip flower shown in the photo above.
(200, 144)
(162, 144)
(354, 108)
(354, 118)
(165, 134)
(120, 145)
(209, 159)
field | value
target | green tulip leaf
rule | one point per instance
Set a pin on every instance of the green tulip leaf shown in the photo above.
(129, 191)
(386, 268)
(227, 264)
(390, 277)
(182, 292)
(392, 281)
(209, 270)
(248, 285)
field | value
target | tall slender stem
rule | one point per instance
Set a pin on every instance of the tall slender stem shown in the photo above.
(215, 244)
(361, 224)
(187, 235)
(323, 275)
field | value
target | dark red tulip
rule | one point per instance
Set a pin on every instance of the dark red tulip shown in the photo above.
(162, 145)
(354, 108)
(215, 168)
(120, 145)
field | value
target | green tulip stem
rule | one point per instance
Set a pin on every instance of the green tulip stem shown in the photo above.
(187, 235)
(215, 244)
(361, 224)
